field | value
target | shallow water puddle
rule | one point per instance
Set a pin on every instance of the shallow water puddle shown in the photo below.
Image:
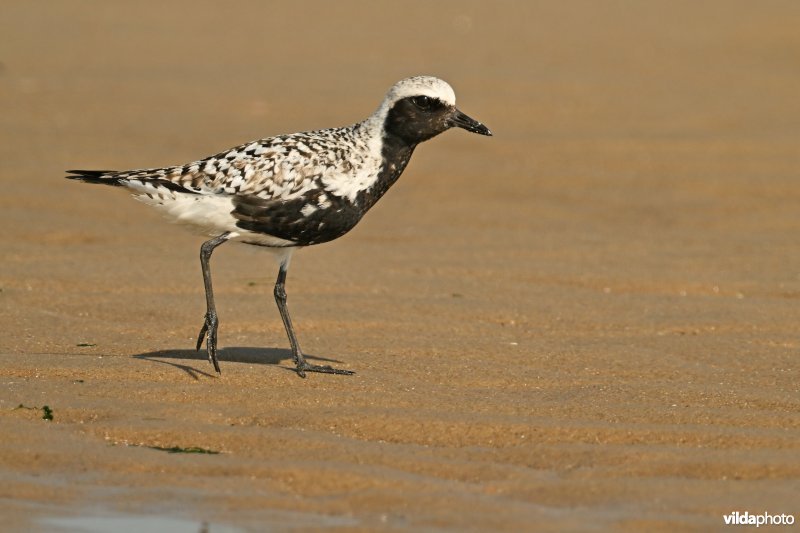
(133, 524)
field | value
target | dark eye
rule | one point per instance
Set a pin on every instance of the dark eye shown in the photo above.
(426, 103)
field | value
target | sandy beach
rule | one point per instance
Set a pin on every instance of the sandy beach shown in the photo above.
(588, 322)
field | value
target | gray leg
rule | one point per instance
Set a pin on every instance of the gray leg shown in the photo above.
(210, 324)
(300, 361)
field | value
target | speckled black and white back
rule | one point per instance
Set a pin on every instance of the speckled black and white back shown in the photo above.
(289, 190)
(294, 190)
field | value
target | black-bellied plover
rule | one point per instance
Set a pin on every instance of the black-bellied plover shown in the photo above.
(296, 190)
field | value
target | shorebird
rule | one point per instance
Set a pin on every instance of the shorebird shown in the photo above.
(296, 190)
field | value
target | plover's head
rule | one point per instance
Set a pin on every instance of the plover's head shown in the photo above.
(416, 109)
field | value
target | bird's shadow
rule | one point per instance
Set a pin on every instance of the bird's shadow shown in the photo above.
(237, 354)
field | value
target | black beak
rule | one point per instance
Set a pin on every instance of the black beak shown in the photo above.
(470, 124)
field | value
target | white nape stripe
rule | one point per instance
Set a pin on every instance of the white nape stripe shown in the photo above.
(339, 161)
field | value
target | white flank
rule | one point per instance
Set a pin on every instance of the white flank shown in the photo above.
(209, 215)
(341, 161)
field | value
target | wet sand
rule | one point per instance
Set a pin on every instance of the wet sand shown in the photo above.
(587, 322)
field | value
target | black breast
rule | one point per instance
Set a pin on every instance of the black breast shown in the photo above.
(304, 221)
(293, 221)
(396, 155)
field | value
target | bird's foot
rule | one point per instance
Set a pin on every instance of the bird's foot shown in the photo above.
(303, 367)
(210, 325)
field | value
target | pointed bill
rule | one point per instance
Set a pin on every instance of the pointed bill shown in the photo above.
(468, 123)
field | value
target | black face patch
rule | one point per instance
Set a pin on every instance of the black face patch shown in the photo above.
(417, 118)
(427, 103)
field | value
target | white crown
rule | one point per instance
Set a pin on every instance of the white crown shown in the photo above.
(421, 86)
